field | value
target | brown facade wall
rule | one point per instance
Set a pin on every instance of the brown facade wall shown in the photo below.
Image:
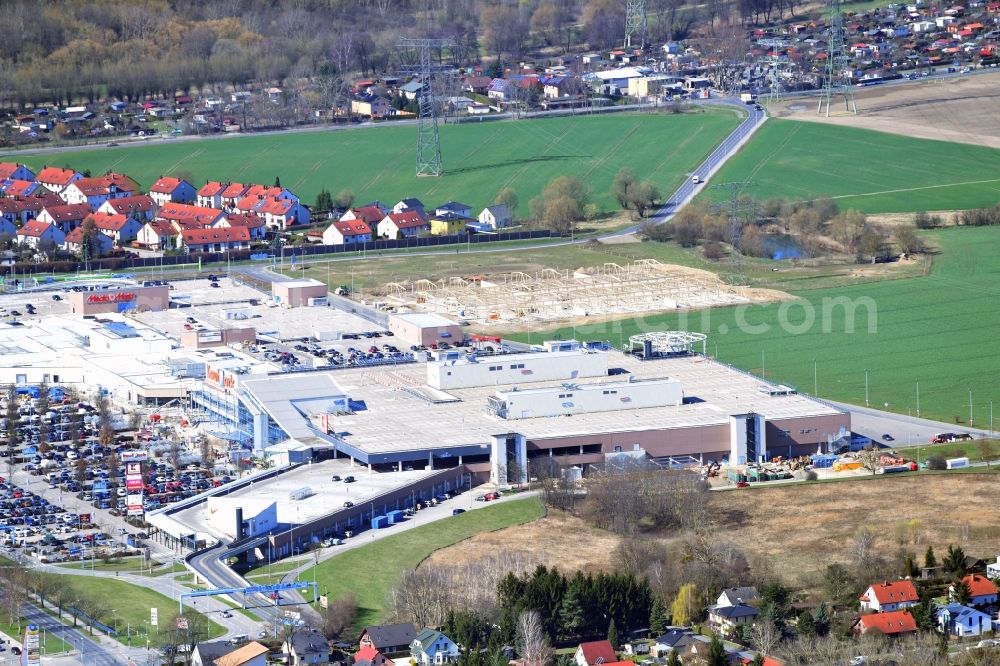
(785, 437)
(297, 297)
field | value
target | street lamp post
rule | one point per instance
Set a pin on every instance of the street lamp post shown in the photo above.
(866, 387)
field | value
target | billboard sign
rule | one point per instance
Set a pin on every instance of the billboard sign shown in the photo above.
(133, 483)
(32, 646)
(154, 616)
(133, 469)
(205, 337)
(133, 456)
(116, 297)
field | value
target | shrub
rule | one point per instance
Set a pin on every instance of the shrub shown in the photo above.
(712, 251)
(937, 461)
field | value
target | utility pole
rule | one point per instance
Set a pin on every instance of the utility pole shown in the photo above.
(635, 24)
(737, 206)
(428, 139)
(774, 64)
(835, 78)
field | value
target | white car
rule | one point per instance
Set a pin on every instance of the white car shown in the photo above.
(696, 179)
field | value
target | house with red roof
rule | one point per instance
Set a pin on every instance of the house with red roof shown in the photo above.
(369, 655)
(347, 232)
(168, 188)
(402, 225)
(892, 623)
(73, 243)
(19, 210)
(215, 239)
(595, 653)
(282, 213)
(251, 221)
(95, 191)
(56, 179)
(158, 235)
(982, 591)
(209, 195)
(14, 171)
(231, 194)
(889, 596)
(370, 215)
(35, 233)
(186, 213)
(120, 228)
(140, 207)
(67, 217)
(13, 187)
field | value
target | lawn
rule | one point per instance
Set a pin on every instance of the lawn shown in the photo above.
(370, 571)
(870, 171)
(933, 330)
(480, 158)
(134, 565)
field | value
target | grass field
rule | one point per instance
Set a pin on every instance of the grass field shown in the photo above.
(934, 330)
(870, 171)
(384, 562)
(480, 159)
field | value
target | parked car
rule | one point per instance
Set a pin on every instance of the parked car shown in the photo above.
(455, 512)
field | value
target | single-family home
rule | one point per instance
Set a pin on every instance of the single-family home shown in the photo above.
(67, 217)
(496, 216)
(454, 207)
(274, 94)
(36, 233)
(369, 214)
(889, 596)
(140, 207)
(15, 171)
(188, 214)
(209, 195)
(889, 623)
(282, 213)
(7, 228)
(253, 222)
(402, 225)
(269, 192)
(433, 647)
(55, 179)
(730, 619)
(501, 90)
(449, 224)
(205, 654)
(993, 569)
(389, 639)
(371, 106)
(556, 87)
(231, 194)
(349, 232)
(676, 639)
(251, 654)
(307, 648)
(370, 656)
(158, 235)
(215, 240)
(594, 653)
(120, 228)
(13, 187)
(168, 188)
(732, 596)
(982, 591)
(962, 621)
(95, 191)
(476, 84)
(411, 89)
(100, 244)
(417, 205)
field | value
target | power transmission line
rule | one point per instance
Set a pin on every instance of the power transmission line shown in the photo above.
(635, 23)
(835, 81)
(428, 139)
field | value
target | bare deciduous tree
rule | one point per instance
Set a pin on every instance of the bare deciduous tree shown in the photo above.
(532, 641)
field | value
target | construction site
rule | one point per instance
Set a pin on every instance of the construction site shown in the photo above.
(644, 285)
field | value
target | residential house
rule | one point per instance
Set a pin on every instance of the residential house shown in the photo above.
(889, 623)
(477, 109)
(14, 171)
(557, 87)
(274, 95)
(56, 180)
(594, 653)
(982, 591)
(121, 228)
(205, 654)
(402, 225)
(209, 195)
(67, 217)
(476, 84)
(188, 214)
(993, 569)
(449, 224)
(254, 224)
(269, 192)
(962, 621)
(7, 228)
(36, 233)
(73, 243)
(732, 596)
(389, 639)
(215, 240)
(676, 639)
(371, 106)
(454, 207)
(369, 656)
(140, 207)
(231, 194)
(95, 191)
(168, 188)
(350, 232)
(251, 654)
(12, 187)
(411, 89)
(730, 619)
(282, 213)
(418, 206)
(501, 90)
(886, 596)
(370, 214)
(433, 647)
(158, 235)
(307, 648)
(496, 216)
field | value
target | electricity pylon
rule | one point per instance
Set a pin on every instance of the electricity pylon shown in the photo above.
(635, 23)
(835, 80)
(428, 139)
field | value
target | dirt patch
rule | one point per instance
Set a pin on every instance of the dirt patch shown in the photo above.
(962, 109)
(558, 540)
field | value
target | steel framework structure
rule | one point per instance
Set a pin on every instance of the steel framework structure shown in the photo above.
(635, 23)
(428, 138)
(835, 82)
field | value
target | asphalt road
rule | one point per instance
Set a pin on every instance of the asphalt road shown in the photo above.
(905, 430)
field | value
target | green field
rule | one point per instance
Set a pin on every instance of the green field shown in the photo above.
(870, 171)
(934, 330)
(370, 571)
(480, 159)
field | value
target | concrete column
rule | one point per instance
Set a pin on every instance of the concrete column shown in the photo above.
(399, 466)
(430, 461)
(460, 460)
(581, 449)
(352, 461)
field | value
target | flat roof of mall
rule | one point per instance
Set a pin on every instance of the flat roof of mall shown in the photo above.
(396, 420)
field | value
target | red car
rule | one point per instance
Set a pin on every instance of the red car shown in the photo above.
(742, 484)
(491, 496)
